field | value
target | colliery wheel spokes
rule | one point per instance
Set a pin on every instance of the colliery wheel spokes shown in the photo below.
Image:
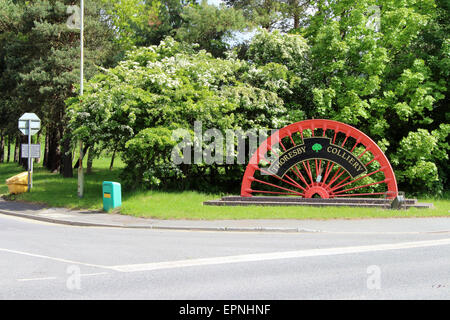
(319, 158)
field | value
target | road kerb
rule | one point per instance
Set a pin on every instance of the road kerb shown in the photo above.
(154, 227)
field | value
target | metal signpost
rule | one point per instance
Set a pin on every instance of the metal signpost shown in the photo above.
(76, 21)
(30, 124)
(80, 167)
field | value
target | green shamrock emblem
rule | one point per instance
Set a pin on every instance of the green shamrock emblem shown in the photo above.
(317, 147)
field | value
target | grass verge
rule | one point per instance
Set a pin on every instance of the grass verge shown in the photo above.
(56, 191)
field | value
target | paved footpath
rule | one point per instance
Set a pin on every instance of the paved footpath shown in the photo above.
(101, 219)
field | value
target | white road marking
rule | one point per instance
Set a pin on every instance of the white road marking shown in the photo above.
(276, 256)
(93, 274)
(247, 257)
(55, 278)
(37, 279)
(52, 258)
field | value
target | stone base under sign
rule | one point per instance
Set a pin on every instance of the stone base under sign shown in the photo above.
(316, 202)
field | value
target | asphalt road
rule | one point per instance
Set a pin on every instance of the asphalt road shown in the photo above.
(45, 261)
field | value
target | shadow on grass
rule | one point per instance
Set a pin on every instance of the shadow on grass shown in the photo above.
(57, 191)
(54, 190)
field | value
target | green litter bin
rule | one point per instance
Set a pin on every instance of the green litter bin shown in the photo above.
(112, 195)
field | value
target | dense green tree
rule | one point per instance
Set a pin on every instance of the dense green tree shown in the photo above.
(9, 112)
(41, 63)
(368, 72)
(264, 13)
(284, 54)
(171, 86)
(418, 157)
(143, 23)
(209, 26)
(274, 14)
(433, 46)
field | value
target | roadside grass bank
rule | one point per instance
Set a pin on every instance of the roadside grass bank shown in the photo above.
(188, 205)
(55, 191)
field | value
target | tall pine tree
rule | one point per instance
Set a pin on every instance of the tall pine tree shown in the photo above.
(40, 64)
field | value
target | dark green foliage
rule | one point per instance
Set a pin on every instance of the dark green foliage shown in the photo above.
(210, 27)
(40, 63)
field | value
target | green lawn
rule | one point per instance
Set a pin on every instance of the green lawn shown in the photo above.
(53, 190)
(188, 205)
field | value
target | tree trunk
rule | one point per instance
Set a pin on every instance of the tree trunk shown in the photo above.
(38, 137)
(9, 148)
(23, 161)
(2, 147)
(16, 149)
(45, 162)
(66, 159)
(112, 160)
(90, 159)
(296, 21)
(77, 164)
(54, 151)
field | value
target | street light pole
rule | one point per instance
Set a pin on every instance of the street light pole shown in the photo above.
(80, 165)
(30, 160)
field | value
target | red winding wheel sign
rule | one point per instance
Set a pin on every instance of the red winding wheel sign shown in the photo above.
(319, 158)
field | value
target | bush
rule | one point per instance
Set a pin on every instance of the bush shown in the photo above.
(147, 156)
(416, 160)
